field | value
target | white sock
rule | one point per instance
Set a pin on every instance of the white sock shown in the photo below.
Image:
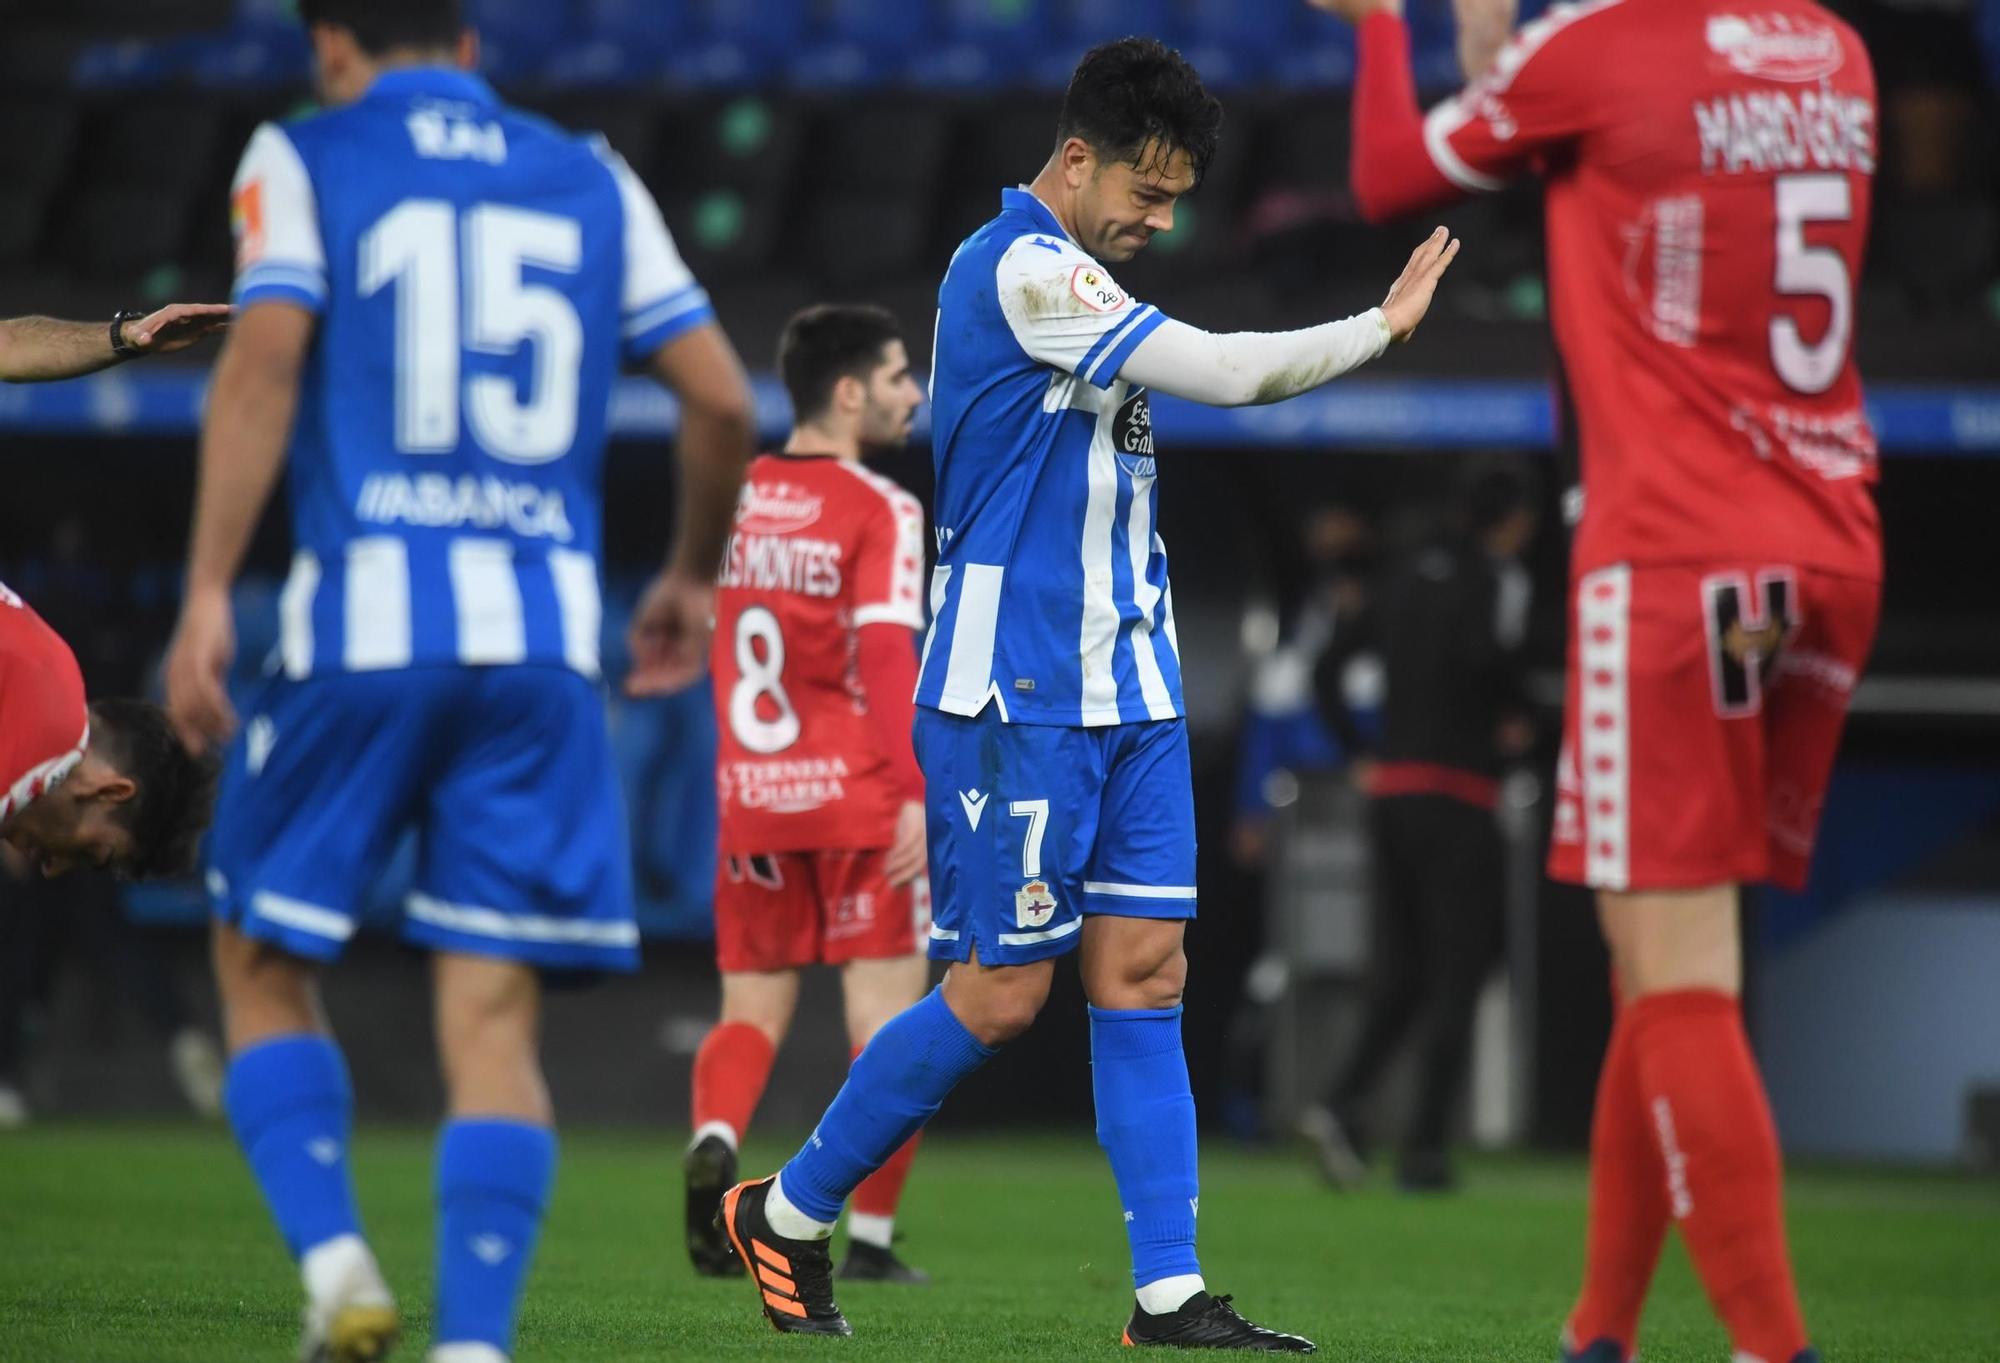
(788, 1220)
(707, 1129)
(878, 1231)
(1164, 1296)
(475, 1351)
(343, 1270)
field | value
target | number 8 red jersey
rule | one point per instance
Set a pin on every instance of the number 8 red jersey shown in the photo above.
(821, 548)
(1708, 168)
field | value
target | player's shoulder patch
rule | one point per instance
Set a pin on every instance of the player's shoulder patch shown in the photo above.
(1095, 290)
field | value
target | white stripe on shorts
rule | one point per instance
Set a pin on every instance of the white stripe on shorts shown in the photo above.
(302, 917)
(1603, 725)
(1112, 887)
(519, 927)
(1026, 939)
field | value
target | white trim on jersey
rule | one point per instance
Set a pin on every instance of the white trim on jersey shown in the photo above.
(903, 604)
(475, 921)
(1064, 309)
(276, 219)
(376, 618)
(295, 623)
(486, 597)
(1097, 626)
(1439, 124)
(580, 604)
(1028, 939)
(968, 678)
(1119, 889)
(300, 916)
(36, 780)
(1603, 724)
(1139, 546)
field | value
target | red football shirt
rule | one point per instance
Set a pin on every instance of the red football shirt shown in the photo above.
(1708, 165)
(821, 548)
(44, 719)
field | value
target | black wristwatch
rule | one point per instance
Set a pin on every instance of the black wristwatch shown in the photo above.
(119, 345)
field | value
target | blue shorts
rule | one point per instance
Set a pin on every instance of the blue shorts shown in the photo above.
(1032, 826)
(504, 775)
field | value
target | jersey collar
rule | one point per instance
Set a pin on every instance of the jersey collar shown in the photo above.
(439, 82)
(1023, 200)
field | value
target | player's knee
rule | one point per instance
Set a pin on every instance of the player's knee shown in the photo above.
(996, 1005)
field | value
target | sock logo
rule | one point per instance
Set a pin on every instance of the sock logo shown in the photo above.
(974, 805)
(1194, 1206)
(489, 1248)
(324, 1150)
(1670, 1150)
(1128, 1216)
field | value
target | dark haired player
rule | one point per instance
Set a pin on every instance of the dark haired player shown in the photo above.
(435, 295)
(1050, 731)
(1708, 167)
(816, 610)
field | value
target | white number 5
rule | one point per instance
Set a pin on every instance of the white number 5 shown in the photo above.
(1811, 271)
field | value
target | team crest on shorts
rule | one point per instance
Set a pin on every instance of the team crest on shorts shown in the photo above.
(1034, 905)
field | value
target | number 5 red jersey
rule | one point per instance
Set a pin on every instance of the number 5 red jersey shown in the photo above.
(821, 548)
(1708, 169)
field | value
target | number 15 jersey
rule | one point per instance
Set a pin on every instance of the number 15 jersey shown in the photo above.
(821, 548)
(1708, 166)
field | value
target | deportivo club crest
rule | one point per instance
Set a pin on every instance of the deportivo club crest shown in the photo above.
(1034, 905)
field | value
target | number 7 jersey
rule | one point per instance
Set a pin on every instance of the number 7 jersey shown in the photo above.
(821, 548)
(1708, 168)
(478, 276)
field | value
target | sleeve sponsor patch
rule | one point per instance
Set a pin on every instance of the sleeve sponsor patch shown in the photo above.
(1093, 288)
(246, 217)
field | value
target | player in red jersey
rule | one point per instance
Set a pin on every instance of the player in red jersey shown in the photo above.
(1708, 165)
(814, 669)
(81, 784)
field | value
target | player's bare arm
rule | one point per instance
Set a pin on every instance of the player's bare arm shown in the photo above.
(669, 635)
(38, 349)
(1245, 369)
(1484, 26)
(250, 407)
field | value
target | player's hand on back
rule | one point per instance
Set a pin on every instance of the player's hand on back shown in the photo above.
(1410, 296)
(669, 635)
(176, 327)
(1354, 11)
(908, 854)
(198, 659)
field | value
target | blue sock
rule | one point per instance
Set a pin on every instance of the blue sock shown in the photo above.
(895, 1086)
(292, 1111)
(493, 1178)
(1145, 1122)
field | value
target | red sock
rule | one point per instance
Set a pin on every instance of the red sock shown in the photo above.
(1709, 1115)
(1628, 1203)
(730, 1071)
(878, 1194)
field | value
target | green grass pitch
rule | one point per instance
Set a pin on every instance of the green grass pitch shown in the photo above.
(147, 1244)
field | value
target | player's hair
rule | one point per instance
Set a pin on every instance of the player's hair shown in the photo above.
(1135, 93)
(381, 26)
(828, 342)
(176, 790)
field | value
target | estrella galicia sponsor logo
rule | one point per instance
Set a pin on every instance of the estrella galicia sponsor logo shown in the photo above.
(1132, 436)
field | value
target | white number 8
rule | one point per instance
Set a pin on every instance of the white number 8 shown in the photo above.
(758, 677)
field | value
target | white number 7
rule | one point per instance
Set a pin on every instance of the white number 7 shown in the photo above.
(1036, 812)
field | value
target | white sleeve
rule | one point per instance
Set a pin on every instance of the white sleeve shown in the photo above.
(660, 299)
(1250, 368)
(275, 218)
(1065, 309)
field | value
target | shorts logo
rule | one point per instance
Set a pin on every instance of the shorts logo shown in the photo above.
(974, 804)
(1034, 906)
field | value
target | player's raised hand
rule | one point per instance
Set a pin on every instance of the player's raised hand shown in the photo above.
(908, 853)
(1354, 11)
(669, 635)
(1410, 296)
(197, 665)
(176, 327)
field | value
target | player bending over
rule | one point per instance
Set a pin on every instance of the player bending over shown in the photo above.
(822, 805)
(1708, 168)
(34, 349)
(436, 293)
(1050, 730)
(100, 783)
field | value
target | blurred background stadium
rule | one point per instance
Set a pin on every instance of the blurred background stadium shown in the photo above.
(815, 149)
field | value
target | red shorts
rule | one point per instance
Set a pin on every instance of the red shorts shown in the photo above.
(1701, 713)
(780, 910)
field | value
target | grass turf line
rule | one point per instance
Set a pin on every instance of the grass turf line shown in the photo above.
(147, 1244)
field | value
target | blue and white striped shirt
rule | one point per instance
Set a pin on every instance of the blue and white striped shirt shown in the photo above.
(478, 276)
(1050, 596)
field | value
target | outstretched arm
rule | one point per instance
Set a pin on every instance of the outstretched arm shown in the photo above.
(1250, 368)
(37, 349)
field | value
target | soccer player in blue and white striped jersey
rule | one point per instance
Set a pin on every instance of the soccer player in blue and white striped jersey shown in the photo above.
(1049, 727)
(435, 293)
